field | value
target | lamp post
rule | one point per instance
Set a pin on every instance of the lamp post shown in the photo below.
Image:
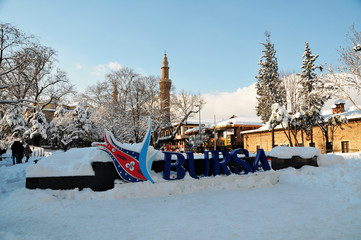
(200, 126)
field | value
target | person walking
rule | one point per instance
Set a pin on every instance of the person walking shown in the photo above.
(27, 152)
(17, 150)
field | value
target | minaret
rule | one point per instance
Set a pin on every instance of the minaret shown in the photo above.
(165, 84)
(115, 92)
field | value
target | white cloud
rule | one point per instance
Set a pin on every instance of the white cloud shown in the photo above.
(99, 70)
(79, 66)
(223, 105)
(114, 66)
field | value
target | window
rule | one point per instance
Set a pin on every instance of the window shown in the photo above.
(345, 146)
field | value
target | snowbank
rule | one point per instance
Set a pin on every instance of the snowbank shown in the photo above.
(75, 162)
(329, 159)
(190, 185)
(355, 155)
(288, 152)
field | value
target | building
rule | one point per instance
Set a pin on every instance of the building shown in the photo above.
(223, 135)
(228, 132)
(344, 138)
(197, 140)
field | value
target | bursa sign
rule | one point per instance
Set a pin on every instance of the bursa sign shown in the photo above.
(135, 166)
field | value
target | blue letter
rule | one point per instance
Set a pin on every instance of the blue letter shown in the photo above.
(178, 165)
(261, 156)
(241, 162)
(190, 159)
(223, 163)
(206, 164)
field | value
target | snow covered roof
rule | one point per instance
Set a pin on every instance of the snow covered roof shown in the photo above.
(192, 122)
(350, 113)
(237, 121)
(340, 101)
(232, 122)
(196, 129)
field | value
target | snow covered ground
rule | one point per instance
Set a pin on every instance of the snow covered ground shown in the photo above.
(308, 203)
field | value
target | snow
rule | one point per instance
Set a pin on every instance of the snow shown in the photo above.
(288, 152)
(329, 159)
(75, 162)
(350, 113)
(340, 101)
(308, 203)
(238, 121)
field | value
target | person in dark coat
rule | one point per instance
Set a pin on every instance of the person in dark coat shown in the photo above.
(27, 152)
(17, 152)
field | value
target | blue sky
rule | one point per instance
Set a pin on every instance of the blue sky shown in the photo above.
(212, 46)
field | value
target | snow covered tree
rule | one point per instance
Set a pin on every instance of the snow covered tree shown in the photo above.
(37, 127)
(270, 90)
(346, 77)
(12, 125)
(79, 127)
(292, 88)
(313, 94)
(125, 114)
(57, 127)
(291, 124)
(73, 127)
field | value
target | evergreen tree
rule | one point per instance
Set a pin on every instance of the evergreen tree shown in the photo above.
(313, 94)
(308, 79)
(269, 87)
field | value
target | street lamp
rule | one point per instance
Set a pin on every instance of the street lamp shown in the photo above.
(200, 125)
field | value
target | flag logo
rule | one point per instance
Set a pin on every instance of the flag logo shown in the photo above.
(132, 166)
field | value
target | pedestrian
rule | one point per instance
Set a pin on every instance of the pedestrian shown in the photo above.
(21, 153)
(17, 150)
(27, 152)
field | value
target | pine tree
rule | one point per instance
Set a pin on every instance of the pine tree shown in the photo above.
(313, 94)
(308, 78)
(269, 87)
